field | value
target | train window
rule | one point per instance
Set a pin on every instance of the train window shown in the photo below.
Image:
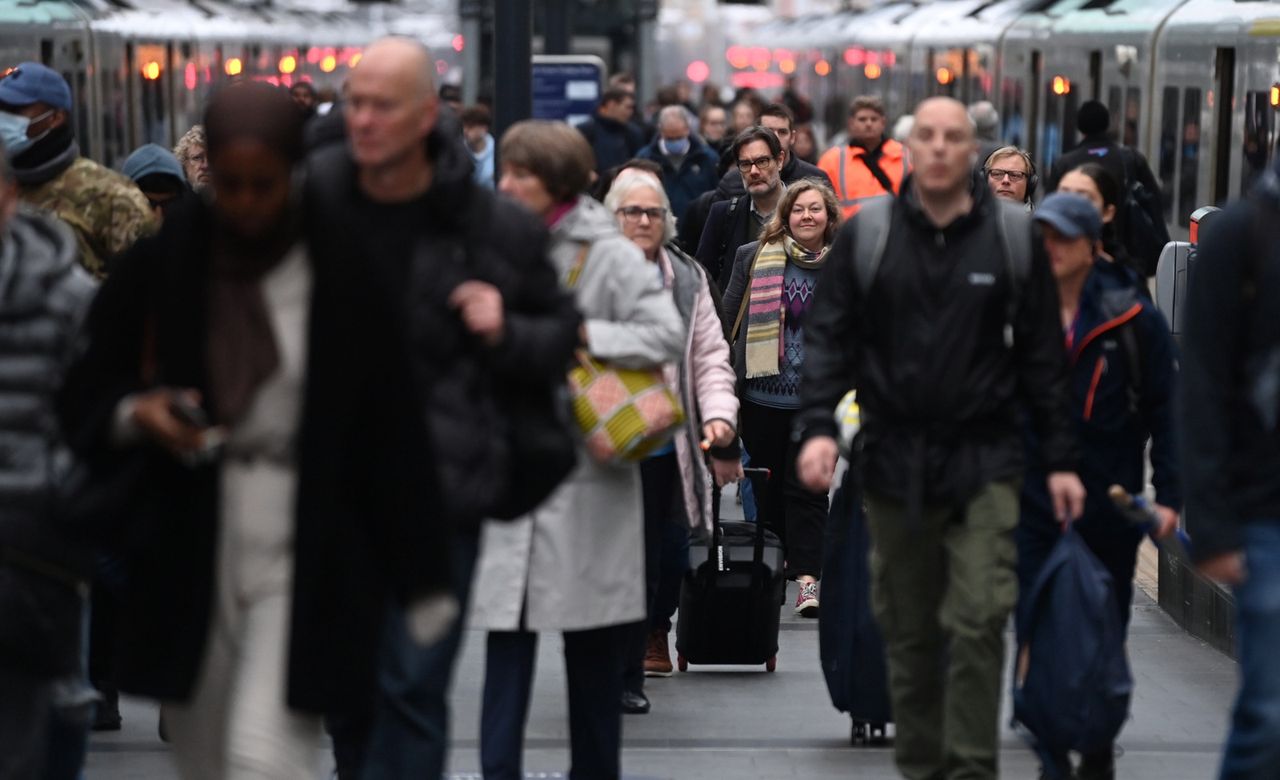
(1011, 97)
(1114, 97)
(1189, 165)
(1051, 143)
(151, 70)
(1132, 110)
(1258, 126)
(1168, 147)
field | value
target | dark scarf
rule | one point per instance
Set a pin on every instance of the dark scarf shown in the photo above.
(242, 344)
(47, 158)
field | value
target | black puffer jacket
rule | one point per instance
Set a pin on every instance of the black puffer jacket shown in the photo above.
(44, 296)
(475, 392)
(938, 388)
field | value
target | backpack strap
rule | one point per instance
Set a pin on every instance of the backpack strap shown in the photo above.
(871, 237)
(1133, 357)
(1014, 226)
(726, 229)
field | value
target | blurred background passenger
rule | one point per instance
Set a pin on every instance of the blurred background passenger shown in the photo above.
(576, 563)
(1095, 183)
(190, 151)
(675, 480)
(768, 296)
(476, 124)
(265, 399)
(160, 177)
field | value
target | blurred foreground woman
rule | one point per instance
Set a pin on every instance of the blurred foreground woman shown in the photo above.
(257, 387)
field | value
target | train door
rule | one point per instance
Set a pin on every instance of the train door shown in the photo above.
(1095, 76)
(149, 79)
(1033, 111)
(1223, 107)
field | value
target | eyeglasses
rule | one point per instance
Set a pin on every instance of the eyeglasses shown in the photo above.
(996, 174)
(763, 163)
(634, 213)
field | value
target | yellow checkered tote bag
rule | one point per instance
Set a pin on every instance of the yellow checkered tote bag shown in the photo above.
(624, 414)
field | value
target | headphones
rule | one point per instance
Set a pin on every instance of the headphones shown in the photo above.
(1033, 178)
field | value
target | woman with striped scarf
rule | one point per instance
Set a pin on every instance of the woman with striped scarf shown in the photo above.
(768, 295)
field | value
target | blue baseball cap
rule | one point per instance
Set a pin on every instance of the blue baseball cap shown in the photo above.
(1072, 215)
(31, 82)
(153, 158)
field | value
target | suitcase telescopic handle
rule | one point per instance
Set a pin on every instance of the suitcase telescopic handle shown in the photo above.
(714, 542)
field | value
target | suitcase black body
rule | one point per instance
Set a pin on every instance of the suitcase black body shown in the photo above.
(731, 597)
(849, 641)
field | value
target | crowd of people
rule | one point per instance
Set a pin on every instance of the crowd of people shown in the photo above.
(284, 409)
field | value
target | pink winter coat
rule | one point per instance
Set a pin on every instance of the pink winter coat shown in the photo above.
(704, 381)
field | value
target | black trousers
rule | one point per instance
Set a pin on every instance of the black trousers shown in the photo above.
(593, 665)
(666, 556)
(798, 516)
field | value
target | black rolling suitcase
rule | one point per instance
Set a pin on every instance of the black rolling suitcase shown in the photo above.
(732, 595)
(849, 641)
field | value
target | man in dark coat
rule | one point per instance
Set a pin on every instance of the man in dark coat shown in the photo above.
(775, 117)
(688, 164)
(468, 276)
(1229, 409)
(613, 137)
(945, 357)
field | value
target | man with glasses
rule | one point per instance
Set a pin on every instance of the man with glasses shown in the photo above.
(759, 157)
(106, 211)
(1011, 175)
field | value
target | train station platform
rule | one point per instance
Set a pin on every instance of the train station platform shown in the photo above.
(745, 724)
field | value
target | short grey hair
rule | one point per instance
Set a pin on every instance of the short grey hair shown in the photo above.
(631, 180)
(668, 113)
(986, 120)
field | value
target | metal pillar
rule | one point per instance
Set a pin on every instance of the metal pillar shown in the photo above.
(646, 50)
(512, 54)
(471, 12)
(556, 39)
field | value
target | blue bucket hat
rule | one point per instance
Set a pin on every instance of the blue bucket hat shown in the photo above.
(31, 82)
(1072, 215)
(149, 159)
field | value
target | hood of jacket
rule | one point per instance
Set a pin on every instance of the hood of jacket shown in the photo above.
(36, 250)
(587, 222)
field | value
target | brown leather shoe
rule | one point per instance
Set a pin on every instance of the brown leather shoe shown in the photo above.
(657, 657)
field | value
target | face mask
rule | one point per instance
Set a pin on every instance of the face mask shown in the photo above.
(676, 145)
(13, 132)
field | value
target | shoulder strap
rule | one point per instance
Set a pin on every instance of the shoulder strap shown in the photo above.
(726, 227)
(871, 237)
(575, 273)
(1133, 356)
(746, 296)
(877, 172)
(1014, 226)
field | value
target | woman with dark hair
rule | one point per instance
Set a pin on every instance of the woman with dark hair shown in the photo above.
(1099, 187)
(576, 563)
(261, 394)
(766, 300)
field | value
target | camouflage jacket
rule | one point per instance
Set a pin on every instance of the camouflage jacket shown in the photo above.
(107, 212)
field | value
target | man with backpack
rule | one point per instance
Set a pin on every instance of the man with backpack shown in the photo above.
(946, 342)
(1122, 369)
(1140, 221)
(1230, 410)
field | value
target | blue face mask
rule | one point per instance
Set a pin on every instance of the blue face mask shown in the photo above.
(676, 145)
(13, 132)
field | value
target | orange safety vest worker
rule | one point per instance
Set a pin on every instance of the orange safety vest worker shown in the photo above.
(854, 181)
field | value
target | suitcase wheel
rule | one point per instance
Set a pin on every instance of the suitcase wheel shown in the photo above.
(771, 664)
(865, 733)
(681, 663)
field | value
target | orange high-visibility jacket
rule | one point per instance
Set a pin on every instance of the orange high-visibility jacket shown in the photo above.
(854, 182)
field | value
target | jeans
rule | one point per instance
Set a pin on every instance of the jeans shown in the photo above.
(409, 732)
(1253, 748)
(593, 662)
